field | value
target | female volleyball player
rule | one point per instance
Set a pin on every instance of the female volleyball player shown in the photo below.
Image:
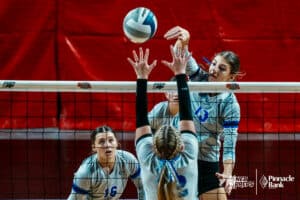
(165, 112)
(104, 174)
(215, 116)
(168, 158)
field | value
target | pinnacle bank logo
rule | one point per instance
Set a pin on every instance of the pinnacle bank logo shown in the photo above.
(275, 182)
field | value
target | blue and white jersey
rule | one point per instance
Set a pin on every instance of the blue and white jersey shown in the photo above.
(160, 115)
(91, 181)
(185, 166)
(215, 117)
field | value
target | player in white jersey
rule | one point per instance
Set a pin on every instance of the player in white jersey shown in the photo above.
(168, 158)
(104, 174)
(215, 116)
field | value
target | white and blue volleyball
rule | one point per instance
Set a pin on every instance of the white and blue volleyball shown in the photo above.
(139, 25)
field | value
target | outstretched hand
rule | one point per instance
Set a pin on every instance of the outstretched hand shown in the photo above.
(179, 62)
(140, 63)
(227, 180)
(182, 35)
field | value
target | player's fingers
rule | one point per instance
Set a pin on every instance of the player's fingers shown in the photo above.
(153, 64)
(135, 57)
(222, 181)
(131, 62)
(173, 36)
(146, 55)
(172, 31)
(166, 63)
(219, 175)
(141, 53)
(172, 50)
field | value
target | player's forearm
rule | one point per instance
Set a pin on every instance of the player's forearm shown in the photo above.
(141, 103)
(228, 167)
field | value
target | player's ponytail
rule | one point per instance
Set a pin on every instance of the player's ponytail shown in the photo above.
(167, 190)
(167, 144)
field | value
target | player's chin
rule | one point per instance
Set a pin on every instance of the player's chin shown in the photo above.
(212, 79)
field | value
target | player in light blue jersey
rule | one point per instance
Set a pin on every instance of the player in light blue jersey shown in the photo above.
(167, 110)
(104, 174)
(216, 117)
(168, 158)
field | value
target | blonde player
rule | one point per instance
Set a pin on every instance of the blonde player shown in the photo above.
(168, 158)
(104, 174)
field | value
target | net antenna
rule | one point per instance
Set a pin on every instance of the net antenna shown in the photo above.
(153, 86)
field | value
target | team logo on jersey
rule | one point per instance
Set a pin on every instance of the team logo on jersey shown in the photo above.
(201, 114)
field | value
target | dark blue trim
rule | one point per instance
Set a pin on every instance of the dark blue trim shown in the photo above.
(79, 190)
(136, 174)
(231, 124)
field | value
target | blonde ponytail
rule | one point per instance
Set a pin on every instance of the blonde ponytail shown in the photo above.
(167, 190)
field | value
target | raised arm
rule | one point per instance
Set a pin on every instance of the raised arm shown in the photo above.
(182, 37)
(178, 66)
(142, 70)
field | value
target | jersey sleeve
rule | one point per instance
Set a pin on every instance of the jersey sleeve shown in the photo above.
(135, 174)
(156, 115)
(190, 145)
(81, 184)
(192, 68)
(144, 152)
(230, 129)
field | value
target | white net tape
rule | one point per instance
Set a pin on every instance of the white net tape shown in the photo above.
(130, 86)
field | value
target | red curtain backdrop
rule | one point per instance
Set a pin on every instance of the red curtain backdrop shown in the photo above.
(83, 40)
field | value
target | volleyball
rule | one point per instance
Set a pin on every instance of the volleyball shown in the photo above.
(139, 25)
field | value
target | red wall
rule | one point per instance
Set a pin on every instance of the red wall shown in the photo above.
(38, 38)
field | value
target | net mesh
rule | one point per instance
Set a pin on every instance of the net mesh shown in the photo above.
(44, 136)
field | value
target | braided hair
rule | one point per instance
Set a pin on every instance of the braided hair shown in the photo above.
(167, 144)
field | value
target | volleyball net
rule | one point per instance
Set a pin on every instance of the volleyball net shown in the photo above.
(45, 128)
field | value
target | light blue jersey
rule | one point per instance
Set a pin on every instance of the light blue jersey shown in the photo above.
(159, 116)
(215, 117)
(185, 165)
(91, 181)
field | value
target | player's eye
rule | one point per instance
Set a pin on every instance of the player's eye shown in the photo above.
(111, 140)
(101, 142)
